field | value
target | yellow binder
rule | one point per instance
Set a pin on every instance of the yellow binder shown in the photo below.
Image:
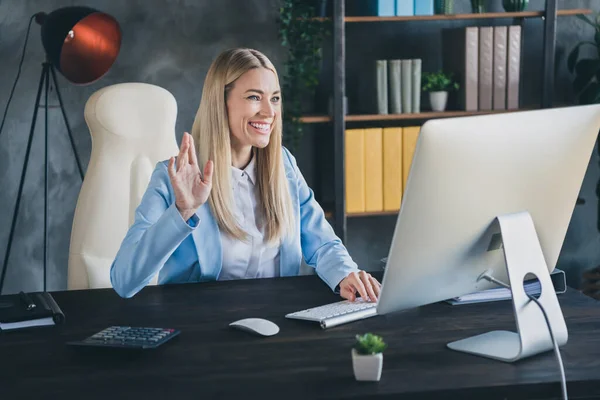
(355, 170)
(392, 168)
(410, 135)
(374, 169)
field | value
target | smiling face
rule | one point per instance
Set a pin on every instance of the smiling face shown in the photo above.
(253, 104)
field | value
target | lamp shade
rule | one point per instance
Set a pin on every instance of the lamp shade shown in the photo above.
(81, 42)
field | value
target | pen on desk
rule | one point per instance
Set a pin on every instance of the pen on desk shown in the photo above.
(27, 301)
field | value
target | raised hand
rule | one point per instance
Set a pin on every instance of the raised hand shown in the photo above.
(191, 187)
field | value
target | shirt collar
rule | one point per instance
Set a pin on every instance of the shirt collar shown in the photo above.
(250, 171)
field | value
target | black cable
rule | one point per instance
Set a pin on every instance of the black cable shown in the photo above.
(18, 73)
(563, 380)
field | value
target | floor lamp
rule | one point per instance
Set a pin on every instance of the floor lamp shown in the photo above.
(82, 44)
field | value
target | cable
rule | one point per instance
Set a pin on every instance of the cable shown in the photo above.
(18, 73)
(563, 379)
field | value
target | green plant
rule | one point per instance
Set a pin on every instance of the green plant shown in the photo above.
(514, 5)
(438, 82)
(303, 35)
(587, 70)
(369, 344)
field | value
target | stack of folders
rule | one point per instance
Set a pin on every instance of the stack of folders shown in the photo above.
(532, 287)
(486, 62)
(397, 87)
(25, 310)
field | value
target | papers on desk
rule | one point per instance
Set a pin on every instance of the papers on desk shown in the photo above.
(6, 326)
(532, 287)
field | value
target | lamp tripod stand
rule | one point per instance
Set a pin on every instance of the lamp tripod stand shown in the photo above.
(47, 71)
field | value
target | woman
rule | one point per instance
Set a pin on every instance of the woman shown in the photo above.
(250, 213)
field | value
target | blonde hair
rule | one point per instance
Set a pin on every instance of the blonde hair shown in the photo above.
(212, 137)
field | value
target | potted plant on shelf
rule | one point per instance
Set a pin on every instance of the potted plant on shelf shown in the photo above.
(367, 357)
(514, 5)
(438, 84)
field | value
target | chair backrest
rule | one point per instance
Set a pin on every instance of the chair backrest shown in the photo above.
(132, 127)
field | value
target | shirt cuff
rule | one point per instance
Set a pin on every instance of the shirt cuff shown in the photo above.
(192, 222)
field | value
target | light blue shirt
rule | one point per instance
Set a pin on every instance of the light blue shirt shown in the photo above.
(161, 242)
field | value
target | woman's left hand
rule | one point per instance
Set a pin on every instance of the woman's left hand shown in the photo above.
(362, 283)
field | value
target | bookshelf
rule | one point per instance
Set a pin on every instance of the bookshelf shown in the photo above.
(398, 117)
(336, 213)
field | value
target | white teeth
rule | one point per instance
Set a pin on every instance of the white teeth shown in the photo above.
(262, 127)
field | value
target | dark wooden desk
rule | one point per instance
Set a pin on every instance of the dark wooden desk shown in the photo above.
(210, 360)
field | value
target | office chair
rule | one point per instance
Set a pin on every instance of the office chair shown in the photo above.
(132, 126)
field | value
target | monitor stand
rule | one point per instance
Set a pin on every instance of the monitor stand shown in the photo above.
(523, 255)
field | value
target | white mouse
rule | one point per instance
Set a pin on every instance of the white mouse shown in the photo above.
(257, 326)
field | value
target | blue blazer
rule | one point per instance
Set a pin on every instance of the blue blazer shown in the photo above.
(161, 242)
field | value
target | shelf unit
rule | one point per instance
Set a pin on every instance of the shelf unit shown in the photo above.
(398, 117)
(338, 215)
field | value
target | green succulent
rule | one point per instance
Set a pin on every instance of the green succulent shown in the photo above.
(369, 344)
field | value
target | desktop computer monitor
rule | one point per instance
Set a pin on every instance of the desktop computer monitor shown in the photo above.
(467, 171)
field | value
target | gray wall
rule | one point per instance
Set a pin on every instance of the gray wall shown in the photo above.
(171, 43)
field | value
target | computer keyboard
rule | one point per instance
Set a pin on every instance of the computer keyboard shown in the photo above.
(337, 313)
(128, 337)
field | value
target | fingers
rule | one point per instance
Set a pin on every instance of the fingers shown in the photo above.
(376, 286)
(366, 281)
(192, 151)
(348, 292)
(208, 172)
(171, 168)
(181, 151)
(184, 152)
(358, 285)
(361, 282)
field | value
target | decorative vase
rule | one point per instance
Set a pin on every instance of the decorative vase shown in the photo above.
(514, 5)
(444, 6)
(367, 367)
(477, 6)
(438, 100)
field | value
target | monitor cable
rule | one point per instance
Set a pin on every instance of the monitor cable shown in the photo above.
(563, 379)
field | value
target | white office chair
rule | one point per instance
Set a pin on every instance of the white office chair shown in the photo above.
(132, 127)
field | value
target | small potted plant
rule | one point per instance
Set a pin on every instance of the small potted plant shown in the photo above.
(367, 357)
(438, 84)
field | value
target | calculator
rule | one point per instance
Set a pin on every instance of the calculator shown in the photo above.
(128, 337)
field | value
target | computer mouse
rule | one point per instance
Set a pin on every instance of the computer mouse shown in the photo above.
(258, 326)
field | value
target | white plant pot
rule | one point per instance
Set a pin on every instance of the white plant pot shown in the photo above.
(367, 367)
(438, 100)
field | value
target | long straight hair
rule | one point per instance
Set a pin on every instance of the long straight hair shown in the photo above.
(212, 137)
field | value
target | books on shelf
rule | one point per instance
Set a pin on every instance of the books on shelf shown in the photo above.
(392, 87)
(378, 161)
(382, 84)
(486, 63)
(390, 8)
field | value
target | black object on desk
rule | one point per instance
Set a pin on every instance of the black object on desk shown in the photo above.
(128, 337)
(28, 310)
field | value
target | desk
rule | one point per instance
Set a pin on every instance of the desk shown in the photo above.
(211, 360)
